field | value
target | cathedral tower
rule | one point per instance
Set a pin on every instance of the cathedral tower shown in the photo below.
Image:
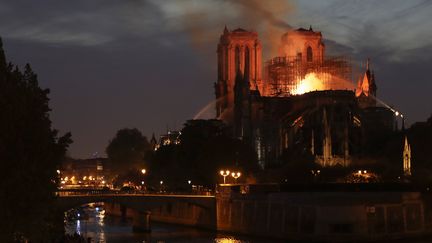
(303, 43)
(237, 51)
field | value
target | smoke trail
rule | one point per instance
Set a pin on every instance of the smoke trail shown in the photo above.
(257, 7)
(204, 22)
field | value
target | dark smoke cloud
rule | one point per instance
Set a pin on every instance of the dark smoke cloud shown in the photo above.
(266, 11)
(204, 25)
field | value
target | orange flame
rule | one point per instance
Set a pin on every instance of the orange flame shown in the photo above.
(311, 82)
(321, 81)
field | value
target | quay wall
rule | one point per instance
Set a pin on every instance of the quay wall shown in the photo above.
(324, 215)
(307, 215)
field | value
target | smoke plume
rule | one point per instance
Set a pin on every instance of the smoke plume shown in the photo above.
(204, 23)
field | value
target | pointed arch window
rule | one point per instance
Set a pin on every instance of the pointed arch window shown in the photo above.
(237, 58)
(247, 61)
(309, 54)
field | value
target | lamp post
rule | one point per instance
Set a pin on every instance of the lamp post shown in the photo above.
(143, 171)
(224, 174)
(315, 174)
(161, 186)
(236, 175)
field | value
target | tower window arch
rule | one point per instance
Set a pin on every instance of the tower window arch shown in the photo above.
(237, 58)
(247, 61)
(309, 54)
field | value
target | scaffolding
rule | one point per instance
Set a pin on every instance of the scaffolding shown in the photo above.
(285, 73)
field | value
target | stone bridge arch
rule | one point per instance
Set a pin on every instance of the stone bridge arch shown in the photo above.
(193, 210)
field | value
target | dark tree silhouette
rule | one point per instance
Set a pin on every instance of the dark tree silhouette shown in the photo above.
(126, 151)
(30, 154)
(206, 146)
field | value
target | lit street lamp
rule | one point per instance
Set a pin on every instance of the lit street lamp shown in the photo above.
(224, 174)
(143, 171)
(315, 172)
(236, 175)
(161, 186)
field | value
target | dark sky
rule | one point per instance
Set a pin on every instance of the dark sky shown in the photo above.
(151, 64)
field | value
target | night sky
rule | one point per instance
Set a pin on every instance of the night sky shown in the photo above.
(113, 64)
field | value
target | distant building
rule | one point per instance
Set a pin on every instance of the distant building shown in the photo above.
(84, 172)
(171, 138)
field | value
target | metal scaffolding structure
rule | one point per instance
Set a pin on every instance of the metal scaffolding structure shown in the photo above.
(283, 74)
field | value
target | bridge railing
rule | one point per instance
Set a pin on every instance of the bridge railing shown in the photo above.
(86, 191)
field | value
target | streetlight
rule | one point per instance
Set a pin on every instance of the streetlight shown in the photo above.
(224, 174)
(236, 175)
(143, 171)
(315, 172)
(161, 186)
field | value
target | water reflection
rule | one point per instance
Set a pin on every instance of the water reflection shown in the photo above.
(227, 240)
(94, 223)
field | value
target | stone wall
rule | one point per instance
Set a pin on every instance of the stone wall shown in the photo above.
(323, 215)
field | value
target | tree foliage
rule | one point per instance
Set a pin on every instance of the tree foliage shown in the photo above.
(127, 150)
(205, 148)
(30, 154)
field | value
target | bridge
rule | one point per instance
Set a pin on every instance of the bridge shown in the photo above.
(315, 212)
(193, 210)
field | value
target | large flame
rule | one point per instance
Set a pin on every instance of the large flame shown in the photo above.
(311, 82)
(321, 81)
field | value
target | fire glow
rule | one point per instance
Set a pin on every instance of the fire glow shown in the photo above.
(311, 82)
(320, 81)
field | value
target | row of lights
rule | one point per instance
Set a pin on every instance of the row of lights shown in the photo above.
(90, 178)
(317, 172)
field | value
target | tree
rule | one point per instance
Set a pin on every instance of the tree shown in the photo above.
(126, 150)
(205, 148)
(30, 154)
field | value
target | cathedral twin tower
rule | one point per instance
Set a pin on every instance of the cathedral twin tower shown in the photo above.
(239, 53)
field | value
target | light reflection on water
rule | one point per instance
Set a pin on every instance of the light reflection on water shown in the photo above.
(102, 228)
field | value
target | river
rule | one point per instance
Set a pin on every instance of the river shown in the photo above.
(102, 228)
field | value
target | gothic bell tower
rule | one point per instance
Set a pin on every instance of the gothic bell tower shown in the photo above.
(237, 51)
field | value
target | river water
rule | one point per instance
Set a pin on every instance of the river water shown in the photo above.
(102, 228)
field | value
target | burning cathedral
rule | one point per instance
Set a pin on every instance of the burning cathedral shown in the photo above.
(299, 98)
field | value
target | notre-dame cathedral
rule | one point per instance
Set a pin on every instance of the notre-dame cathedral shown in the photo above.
(299, 98)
